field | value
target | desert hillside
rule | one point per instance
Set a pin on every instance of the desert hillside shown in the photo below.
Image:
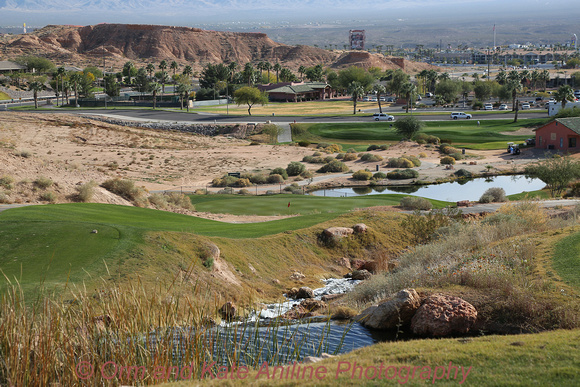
(117, 43)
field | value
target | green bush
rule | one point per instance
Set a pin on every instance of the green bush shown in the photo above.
(416, 162)
(328, 159)
(123, 188)
(457, 155)
(372, 148)
(429, 139)
(463, 173)
(362, 175)
(400, 162)
(243, 183)
(448, 149)
(275, 179)
(477, 105)
(158, 200)
(307, 159)
(322, 145)
(379, 176)
(497, 195)
(447, 160)
(48, 196)
(398, 174)
(350, 150)
(295, 168)
(350, 157)
(258, 179)
(304, 143)
(225, 181)
(340, 156)
(415, 203)
(43, 182)
(280, 171)
(306, 174)
(334, 166)
(369, 157)
(6, 182)
(384, 147)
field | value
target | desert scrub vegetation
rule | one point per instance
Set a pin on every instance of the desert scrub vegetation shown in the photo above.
(333, 166)
(362, 175)
(493, 195)
(43, 182)
(7, 182)
(447, 160)
(86, 191)
(295, 168)
(415, 203)
(490, 262)
(398, 174)
(406, 161)
(126, 189)
(369, 157)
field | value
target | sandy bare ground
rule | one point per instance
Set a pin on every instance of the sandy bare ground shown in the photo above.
(72, 151)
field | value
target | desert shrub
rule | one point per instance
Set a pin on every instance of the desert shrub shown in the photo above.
(243, 183)
(295, 168)
(424, 227)
(275, 179)
(362, 175)
(477, 105)
(497, 195)
(447, 160)
(415, 203)
(317, 154)
(457, 155)
(322, 145)
(258, 179)
(304, 143)
(318, 160)
(255, 143)
(372, 148)
(179, 200)
(158, 200)
(306, 174)
(384, 147)
(343, 313)
(350, 157)
(398, 174)
(113, 165)
(422, 155)
(463, 173)
(371, 157)
(307, 159)
(208, 263)
(224, 181)
(333, 148)
(328, 159)
(43, 182)
(85, 192)
(379, 176)
(25, 153)
(447, 149)
(340, 156)
(350, 150)
(243, 191)
(280, 171)
(416, 162)
(334, 166)
(427, 138)
(6, 182)
(4, 198)
(421, 142)
(400, 162)
(124, 188)
(48, 196)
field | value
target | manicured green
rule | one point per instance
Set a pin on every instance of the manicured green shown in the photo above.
(299, 204)
(541, 194)
(464, 133)
(566, 259)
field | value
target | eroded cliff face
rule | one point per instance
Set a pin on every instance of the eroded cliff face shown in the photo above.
(117, 43)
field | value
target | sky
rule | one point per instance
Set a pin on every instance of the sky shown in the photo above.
(194, 12)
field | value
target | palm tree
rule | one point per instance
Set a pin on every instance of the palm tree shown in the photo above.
(545, 75)
(501, 77)
(380, 89)
(356, 90)
(408, 90)
(75, 79)
(443, 77)
(182, 91)
(277, 69)
(188, 71)
(174, 66)
(301, 71)
(127, 69)
(233, 66)
(514, 84)
(60, 74)
(35, 87)
(268, 67)
(260, 66)
(564, 94)
(163, 78)
(154, 88)
(249, 73)
(535, 78)
(150, 69)
(163, 65)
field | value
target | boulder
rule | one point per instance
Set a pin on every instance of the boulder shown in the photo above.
(311, 305)
(292, 293)
(228, 311)
(361, 275)
(359, 228)
(297, 276)
(442, 315)
(331, 297)
(345, 262)
(337, 233)
(304, 292)
(399, 310)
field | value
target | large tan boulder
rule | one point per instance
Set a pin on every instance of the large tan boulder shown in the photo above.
(442, 315)
(304, 292)
(338, 232)
(399, 310)
(228, 311)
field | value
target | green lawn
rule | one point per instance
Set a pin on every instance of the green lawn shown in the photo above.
(299, 204)
(566, 259)
(465, 133)
(4, 96)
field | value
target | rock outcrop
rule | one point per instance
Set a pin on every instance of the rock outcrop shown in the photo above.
(399, 310)
(442, 315)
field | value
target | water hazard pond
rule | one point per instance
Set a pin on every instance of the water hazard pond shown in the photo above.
(468, 189)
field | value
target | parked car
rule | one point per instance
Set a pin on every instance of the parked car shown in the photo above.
(456, 115)
(503, 106)
(383, 117)
(366, 99)
(525, 106)
(429, 95)
(488, 106)
(383, 99)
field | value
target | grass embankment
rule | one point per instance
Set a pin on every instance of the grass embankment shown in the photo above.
(55, 244)
(4, 96)
(467, 134)
(566, 259)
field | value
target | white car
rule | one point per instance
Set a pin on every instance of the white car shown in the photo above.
(525, 106)
(503, 106)
(456, 115)
(383, 117)
(488, 106)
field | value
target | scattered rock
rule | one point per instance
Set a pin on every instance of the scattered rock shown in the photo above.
(276, 281)
(311, 305)
(292, 293)
(360, 264)
(361, 275)
(388, 315)
(359, 228)
(228, 311)
(314, 359)
(213, 250)
(331, 297)
(297, 276)
(304, 292)
(335, 234)
(464, 203)
(442, 315)
(345, 262)
(94, 232)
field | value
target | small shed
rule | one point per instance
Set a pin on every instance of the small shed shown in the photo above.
(562, 134)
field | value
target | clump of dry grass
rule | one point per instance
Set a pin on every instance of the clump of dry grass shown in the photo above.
(85, 192)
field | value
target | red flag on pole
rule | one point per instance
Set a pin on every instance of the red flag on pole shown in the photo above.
(288, 204)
